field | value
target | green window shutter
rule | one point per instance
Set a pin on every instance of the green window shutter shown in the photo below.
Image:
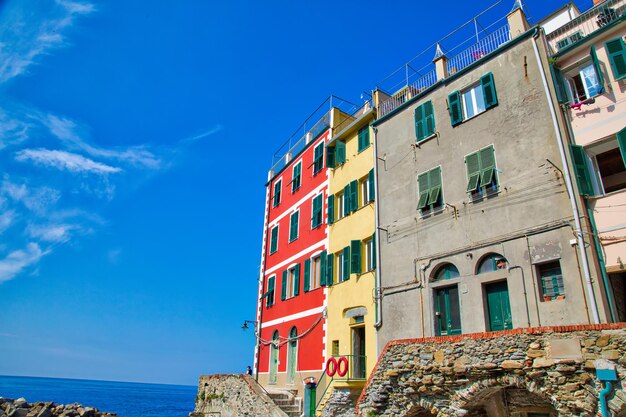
(559, 84)
(596, 65)
(364, 138)
(580, 168)
(307, 275)
(269, 300)
(489, 90)
(616, 50)
(283, 292)
(323, 276)
(295, 182)
(274, 240)
(621, 141)
(420, 129)
(472, 164)
(429, 118)
(488, 165)
(277, 187)
(435, 185)
(346, 200)
(293, 226)
(456, 113)
(423, 181)
(371, 185)
(355, 249)
(330, 156)
(346, 263)
(354, 195)
(316, 212)
(330, 206)
(374, 251)
(340, 152)
(330, 265)
(296, 281)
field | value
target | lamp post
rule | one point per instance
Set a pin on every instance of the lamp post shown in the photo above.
(245, 327)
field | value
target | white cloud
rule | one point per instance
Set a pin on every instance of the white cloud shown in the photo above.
(56, 233)
(16, 261)
(36, 199)
(6, 220)
(12, 130)
(64, 161)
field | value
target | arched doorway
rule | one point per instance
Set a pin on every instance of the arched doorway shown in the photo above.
(274, 358)
(292, 355)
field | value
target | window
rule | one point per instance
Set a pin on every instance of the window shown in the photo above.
(316, 211)
(474, 100)
(569, 40)
(551, 280)
(291, 282)
(277, 187)
(491, 262)
(582, 83)
(274, 239)
(364, 138)
(355, 260)
(424, 121)
(316, 272)
(430, 195)
(354, 195)
(340, 152)
(318, 158)
(446, 271)
(607, 160)
(616, 50)
(293, 225)
(297, 177)
(330, 208)
(343, 264)
(269, 295)
(335, 348)
(340, 205)
(581, 169)
(365, 189)
(482, 178)
(370, 254)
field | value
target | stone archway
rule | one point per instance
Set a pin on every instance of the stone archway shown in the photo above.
(421, 408)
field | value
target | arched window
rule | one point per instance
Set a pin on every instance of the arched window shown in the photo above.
(292, 355)
(275, 336)
(446, 271)
(293, 334)
(491, 262)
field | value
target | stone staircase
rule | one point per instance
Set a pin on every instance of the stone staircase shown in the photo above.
(287, 401)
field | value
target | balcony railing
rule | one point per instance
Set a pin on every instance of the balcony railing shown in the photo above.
(587, 23)
(354, 370)
(481, 48)
(411, 90)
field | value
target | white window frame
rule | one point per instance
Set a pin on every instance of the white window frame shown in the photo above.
(293, 169)
(291, 277)
(273, 299)
(297, 229)
(277, 238)
(369, 255)
(321, 196)
(316, 272)
(578, 70)
(339, 258)
(321, 144)
(279, 181)
(339, 202)
(473, 101)
(365, 191)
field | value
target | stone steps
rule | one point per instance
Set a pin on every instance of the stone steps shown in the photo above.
(287, 402)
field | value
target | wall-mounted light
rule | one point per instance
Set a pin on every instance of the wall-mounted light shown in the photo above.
(245, 324)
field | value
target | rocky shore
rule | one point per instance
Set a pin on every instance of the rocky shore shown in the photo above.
(21, 408)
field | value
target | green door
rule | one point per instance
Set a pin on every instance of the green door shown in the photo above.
(448, 311)
(498, 306)
(274, 358)
(358, 352)
(292, 353)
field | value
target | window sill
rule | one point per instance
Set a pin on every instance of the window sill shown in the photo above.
(291, 241)
(483, 197)
(418, 142)
(364, 149)
(431, 212)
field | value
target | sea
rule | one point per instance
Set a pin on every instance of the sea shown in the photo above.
(126, 399)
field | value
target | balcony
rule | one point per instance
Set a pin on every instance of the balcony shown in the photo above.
(594, 19)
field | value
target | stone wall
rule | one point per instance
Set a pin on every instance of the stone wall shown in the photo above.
(234, 395)
(22, 408)
(341, 403)
(546, 370)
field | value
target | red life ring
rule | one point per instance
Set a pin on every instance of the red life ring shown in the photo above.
(330, 371)
(342, 372)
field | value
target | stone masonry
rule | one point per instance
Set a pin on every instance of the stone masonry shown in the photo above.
(547, 370)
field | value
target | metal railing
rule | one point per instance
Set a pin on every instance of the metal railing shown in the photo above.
(351, 117)
(481, 48)
(355, 371)
(411, 90)
(585, 24)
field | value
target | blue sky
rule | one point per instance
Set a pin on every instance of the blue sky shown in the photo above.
(135, 139)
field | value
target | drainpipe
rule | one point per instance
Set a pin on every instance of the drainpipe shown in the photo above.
(378, 296)
(605, 277)
(604, 408)
(605, 372)
(568, 184)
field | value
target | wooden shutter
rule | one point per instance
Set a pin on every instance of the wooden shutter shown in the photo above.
(420, 129)
(269, 299)
(316, 214)
(274, 239)
(435, 185)
(456, 113)
(596, 65)
(559, 84)
(489, 90)
(330, 208)
(364, 138)
(340, 152)
(354, 195)
(472, 164)
(423, 181)
(355, 249)
(346, 200)
(488, 165)
(296, 280)
(374, 251)
(616, 50)
(323, 276)
(583, 177)
(283, 292)
(307, 275)
(371, 185)
(277, 187)
(293, 226)
(429, 118)
(346, 263)
(330, 156)
(621, 141)
(330, 265)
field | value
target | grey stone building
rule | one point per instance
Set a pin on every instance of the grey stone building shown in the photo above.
(477, 231)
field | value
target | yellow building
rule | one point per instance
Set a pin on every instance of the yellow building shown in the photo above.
(351, 262)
